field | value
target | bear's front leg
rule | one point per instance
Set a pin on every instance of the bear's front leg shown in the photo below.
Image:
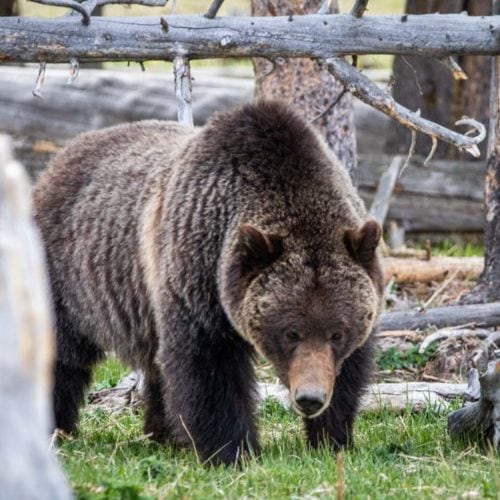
(209, 393)
(334, 426)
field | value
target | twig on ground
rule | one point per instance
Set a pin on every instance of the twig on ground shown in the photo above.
(198, 461)
(213, 9)
(440, 290)
(363, 88)
(449, 334)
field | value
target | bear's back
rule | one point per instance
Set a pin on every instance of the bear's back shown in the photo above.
(88, 204)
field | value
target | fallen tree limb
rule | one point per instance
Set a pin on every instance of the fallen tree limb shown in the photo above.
(196, 37)
(478, 314)
(405, 270)
(446, 334)
(391, 396)
(363, 88)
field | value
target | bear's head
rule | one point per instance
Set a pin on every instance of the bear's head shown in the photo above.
(304, 311)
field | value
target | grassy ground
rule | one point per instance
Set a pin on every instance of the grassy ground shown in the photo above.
(396, 456)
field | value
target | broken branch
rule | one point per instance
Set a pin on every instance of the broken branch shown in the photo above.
(182, 75)
(363, 88)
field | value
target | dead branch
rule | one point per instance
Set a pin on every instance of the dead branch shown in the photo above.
(389, 396)
(182, 75)
(359, 8)
(447, 333)
(485, 315)
(380, 204)
(70, 4)
(196, 37)
(213, 9)
(363, 88)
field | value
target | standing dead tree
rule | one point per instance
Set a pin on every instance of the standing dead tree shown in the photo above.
(28, 471)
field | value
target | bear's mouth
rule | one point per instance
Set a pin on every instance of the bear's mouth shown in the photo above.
(296, 409)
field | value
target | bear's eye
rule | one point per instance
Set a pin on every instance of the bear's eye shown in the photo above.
(292, 336)
(335, 337)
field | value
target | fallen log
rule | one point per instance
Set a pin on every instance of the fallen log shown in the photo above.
(197, 37)
(404, 270)
(26, 347)
(395, 397)
(484, 315)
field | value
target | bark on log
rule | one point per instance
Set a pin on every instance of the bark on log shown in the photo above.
(196, 37)
(479, 314)
(26, 347)
(303, 84)
(437, 269)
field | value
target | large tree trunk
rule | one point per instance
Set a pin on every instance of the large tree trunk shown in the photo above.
(304, 85)
(489, 283)
(427, 84)
(9, 8)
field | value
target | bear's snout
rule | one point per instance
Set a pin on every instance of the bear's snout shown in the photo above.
(310, 401)
(311, 378)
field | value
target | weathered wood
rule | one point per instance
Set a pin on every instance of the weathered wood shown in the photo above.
(447, 197)
(363, 88)
(429, 85)
(381, 201)
(404, 270)
(183, 89)
(479, 422)
(446, 334)
(26, 347)
(196, 37)
(479, 314)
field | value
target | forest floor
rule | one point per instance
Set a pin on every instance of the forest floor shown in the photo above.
(395, 455)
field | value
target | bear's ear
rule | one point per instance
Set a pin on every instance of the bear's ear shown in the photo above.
(362, 243)
(256, 249)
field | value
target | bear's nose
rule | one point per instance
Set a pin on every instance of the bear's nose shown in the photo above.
(310, 401)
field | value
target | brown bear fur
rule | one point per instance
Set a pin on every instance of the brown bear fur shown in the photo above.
(185, 251)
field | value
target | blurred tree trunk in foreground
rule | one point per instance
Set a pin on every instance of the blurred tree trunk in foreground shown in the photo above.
(28, 470)
(302, 84)
(427, 84)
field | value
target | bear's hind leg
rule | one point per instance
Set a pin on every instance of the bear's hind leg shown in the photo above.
(335, 425)
(76, 356)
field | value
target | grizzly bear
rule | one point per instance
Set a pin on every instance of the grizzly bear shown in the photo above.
(187, 251)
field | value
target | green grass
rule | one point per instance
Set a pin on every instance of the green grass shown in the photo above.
(393, 359)
(396, 456)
